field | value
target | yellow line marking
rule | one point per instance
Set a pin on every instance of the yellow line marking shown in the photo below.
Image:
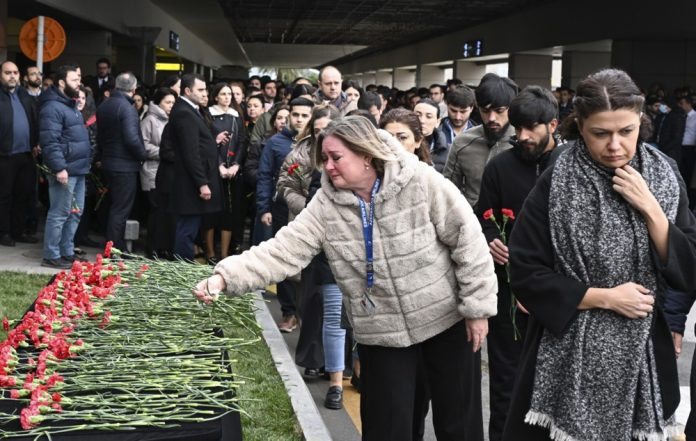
(351, 403)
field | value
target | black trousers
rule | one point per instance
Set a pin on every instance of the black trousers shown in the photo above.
(17, 182)
(286, 289)
(690, 429)
(123, 187)
(392, 379)
(504, 352)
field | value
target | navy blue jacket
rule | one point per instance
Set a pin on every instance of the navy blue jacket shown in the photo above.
(62, 134)
(6, 123)
(119, 139)
(274, 153)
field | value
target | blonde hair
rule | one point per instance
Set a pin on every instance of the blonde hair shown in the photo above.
(360, 136)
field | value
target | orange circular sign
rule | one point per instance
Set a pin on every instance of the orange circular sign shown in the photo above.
(54, 38)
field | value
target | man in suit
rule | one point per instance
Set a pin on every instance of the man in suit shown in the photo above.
(99, 83)
(122, 153)
(197, 186)
(18, 137)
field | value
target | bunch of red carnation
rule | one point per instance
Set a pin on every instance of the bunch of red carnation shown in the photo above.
(44, 336)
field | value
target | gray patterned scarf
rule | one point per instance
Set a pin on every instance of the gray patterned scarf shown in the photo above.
(598, 380)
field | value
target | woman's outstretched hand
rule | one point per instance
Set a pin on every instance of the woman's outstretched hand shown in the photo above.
(209, 290)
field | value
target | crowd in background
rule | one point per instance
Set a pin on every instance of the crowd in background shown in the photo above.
(202, 163)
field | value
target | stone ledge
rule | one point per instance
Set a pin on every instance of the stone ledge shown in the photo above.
(311, 422)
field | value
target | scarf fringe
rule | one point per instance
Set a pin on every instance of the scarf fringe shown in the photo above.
(541, 419)
(535, 418)
(667, 433)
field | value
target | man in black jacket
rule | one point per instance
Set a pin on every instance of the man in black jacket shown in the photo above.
(122, 153)
(102, 81)
(507, 180)
(196, 188)
(18, 136)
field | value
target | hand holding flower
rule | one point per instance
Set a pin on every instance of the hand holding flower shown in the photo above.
(209, 290)
(499, 251)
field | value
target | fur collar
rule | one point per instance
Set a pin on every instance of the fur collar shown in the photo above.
(397, 173)
(216, 111)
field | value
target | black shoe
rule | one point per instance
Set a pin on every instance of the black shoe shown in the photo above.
(212, 261)
(56, 263)
(87, 242)
(7, 240)
(79, 251)
(73, 258)
(355, 381)
(25, 238)
(334, 398)
(312, 372)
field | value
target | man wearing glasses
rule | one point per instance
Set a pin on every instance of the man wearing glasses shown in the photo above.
(472, 149)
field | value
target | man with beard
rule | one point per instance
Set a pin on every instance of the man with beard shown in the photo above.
(472, 149)
(67, 152)
(99, 83)
(33, 81)
(18, 135)
(507, 180)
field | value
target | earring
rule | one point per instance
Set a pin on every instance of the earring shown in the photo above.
(367, 167)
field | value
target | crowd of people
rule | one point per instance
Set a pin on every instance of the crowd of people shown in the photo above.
(386, 218)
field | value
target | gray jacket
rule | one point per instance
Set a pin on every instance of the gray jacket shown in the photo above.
(468, 157)
(152, 127)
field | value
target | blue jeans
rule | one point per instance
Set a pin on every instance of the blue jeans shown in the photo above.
(61, 224)
(334, 337)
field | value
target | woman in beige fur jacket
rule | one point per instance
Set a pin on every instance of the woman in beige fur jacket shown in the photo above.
(433, 280)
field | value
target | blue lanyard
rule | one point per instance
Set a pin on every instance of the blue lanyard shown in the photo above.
(367, 224)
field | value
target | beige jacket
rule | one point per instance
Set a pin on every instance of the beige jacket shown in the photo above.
(431, 260)
(294, 187)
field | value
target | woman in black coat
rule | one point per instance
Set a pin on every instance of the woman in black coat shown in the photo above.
(230, 156)
(598, 239)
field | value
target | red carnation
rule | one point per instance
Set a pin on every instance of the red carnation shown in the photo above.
(5, 324)
(488, 214)
(508, 213)
(230, 153)
(107, 249)
(14, 394)
(293, 168)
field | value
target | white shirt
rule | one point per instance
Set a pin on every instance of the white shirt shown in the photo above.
(690, 129)
(195, 106)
